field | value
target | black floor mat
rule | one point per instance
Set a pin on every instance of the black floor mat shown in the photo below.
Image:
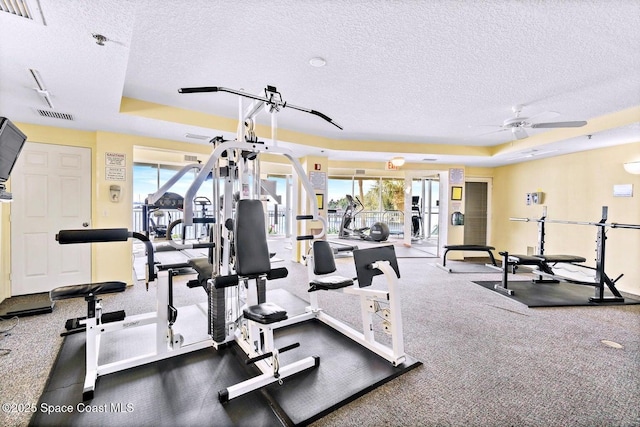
(182, 391)
(552, 294)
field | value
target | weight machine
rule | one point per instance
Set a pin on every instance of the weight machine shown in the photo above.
(97, 325)
(545, 263)
(239, 312)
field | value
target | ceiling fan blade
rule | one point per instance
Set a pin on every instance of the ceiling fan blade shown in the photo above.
(519, 133)
(576, 124)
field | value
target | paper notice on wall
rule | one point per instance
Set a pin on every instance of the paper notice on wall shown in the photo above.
(115, 174)
(623, 190)
(115, 159)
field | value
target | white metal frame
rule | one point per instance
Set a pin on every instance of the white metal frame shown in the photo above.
(369, 306)
(167, 343)
(256, 339)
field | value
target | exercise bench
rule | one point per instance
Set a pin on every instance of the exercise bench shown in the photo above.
(476, 248)
(89, 292)
(542, 264)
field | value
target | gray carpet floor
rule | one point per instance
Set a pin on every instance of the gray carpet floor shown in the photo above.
(487, 360)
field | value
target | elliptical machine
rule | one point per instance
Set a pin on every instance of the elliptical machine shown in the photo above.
(378, 232)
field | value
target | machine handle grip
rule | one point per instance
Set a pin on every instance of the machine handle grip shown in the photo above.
(302, 217)
(97, 235)
(307, 237)
(198, 89)
(204, 220)
(277, 273)
(203, 245)
(225, 281)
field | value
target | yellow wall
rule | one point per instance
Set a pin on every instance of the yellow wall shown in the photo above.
(575, 187)
(110, 261)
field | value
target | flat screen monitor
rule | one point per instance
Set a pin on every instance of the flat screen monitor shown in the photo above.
(363, 258)
(11, 142)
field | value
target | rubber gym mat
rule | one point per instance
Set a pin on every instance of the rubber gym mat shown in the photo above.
(183, 390)
(552, 294)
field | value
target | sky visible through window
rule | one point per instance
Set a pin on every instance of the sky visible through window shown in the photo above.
(146, 182)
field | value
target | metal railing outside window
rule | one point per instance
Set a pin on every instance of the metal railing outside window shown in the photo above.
(277, 222)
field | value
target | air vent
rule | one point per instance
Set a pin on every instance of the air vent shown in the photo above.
(360, 172)
(54, 114)
(188, 158)
(28, 9)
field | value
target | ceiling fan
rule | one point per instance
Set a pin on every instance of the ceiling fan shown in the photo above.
(518, 124)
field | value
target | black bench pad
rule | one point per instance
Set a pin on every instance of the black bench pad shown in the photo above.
(525, 259)
(563, 258)
(537, 259)
(469, 248)
(329, 283)
(265, 313)
(78, 291)
(202, 266)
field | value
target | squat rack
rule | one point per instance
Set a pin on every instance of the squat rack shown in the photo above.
(601, 277)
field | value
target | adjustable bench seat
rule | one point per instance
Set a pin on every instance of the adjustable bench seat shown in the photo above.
(480, 248)
(323, 266)
(82, 291)
(542, 261)
(562, 258)
(202, 266)
(265, 313)
(329, 283)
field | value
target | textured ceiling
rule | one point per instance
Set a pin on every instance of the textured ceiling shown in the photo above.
(433, 73)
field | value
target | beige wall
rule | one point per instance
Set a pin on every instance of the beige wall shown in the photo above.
(110, 261)
(575, 187)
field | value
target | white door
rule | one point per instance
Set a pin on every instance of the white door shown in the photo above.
(51, 187)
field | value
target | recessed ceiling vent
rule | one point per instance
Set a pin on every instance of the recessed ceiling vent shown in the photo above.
(29, 9)
(190, 158)
(360, 172)
(55, 114)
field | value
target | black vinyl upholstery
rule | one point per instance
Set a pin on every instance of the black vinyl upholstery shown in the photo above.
(81, 291)
(252, 257)
(323, 262)
(252, 251)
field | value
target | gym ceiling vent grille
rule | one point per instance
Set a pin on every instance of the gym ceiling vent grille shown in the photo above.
(190, 158)
(55, 115)
(29, 9)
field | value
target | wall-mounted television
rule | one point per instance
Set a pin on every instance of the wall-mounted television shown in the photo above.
(11, 143)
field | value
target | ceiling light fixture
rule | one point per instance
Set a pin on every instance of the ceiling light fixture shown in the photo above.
(317, 62)
(397, 161)
(632, 167)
